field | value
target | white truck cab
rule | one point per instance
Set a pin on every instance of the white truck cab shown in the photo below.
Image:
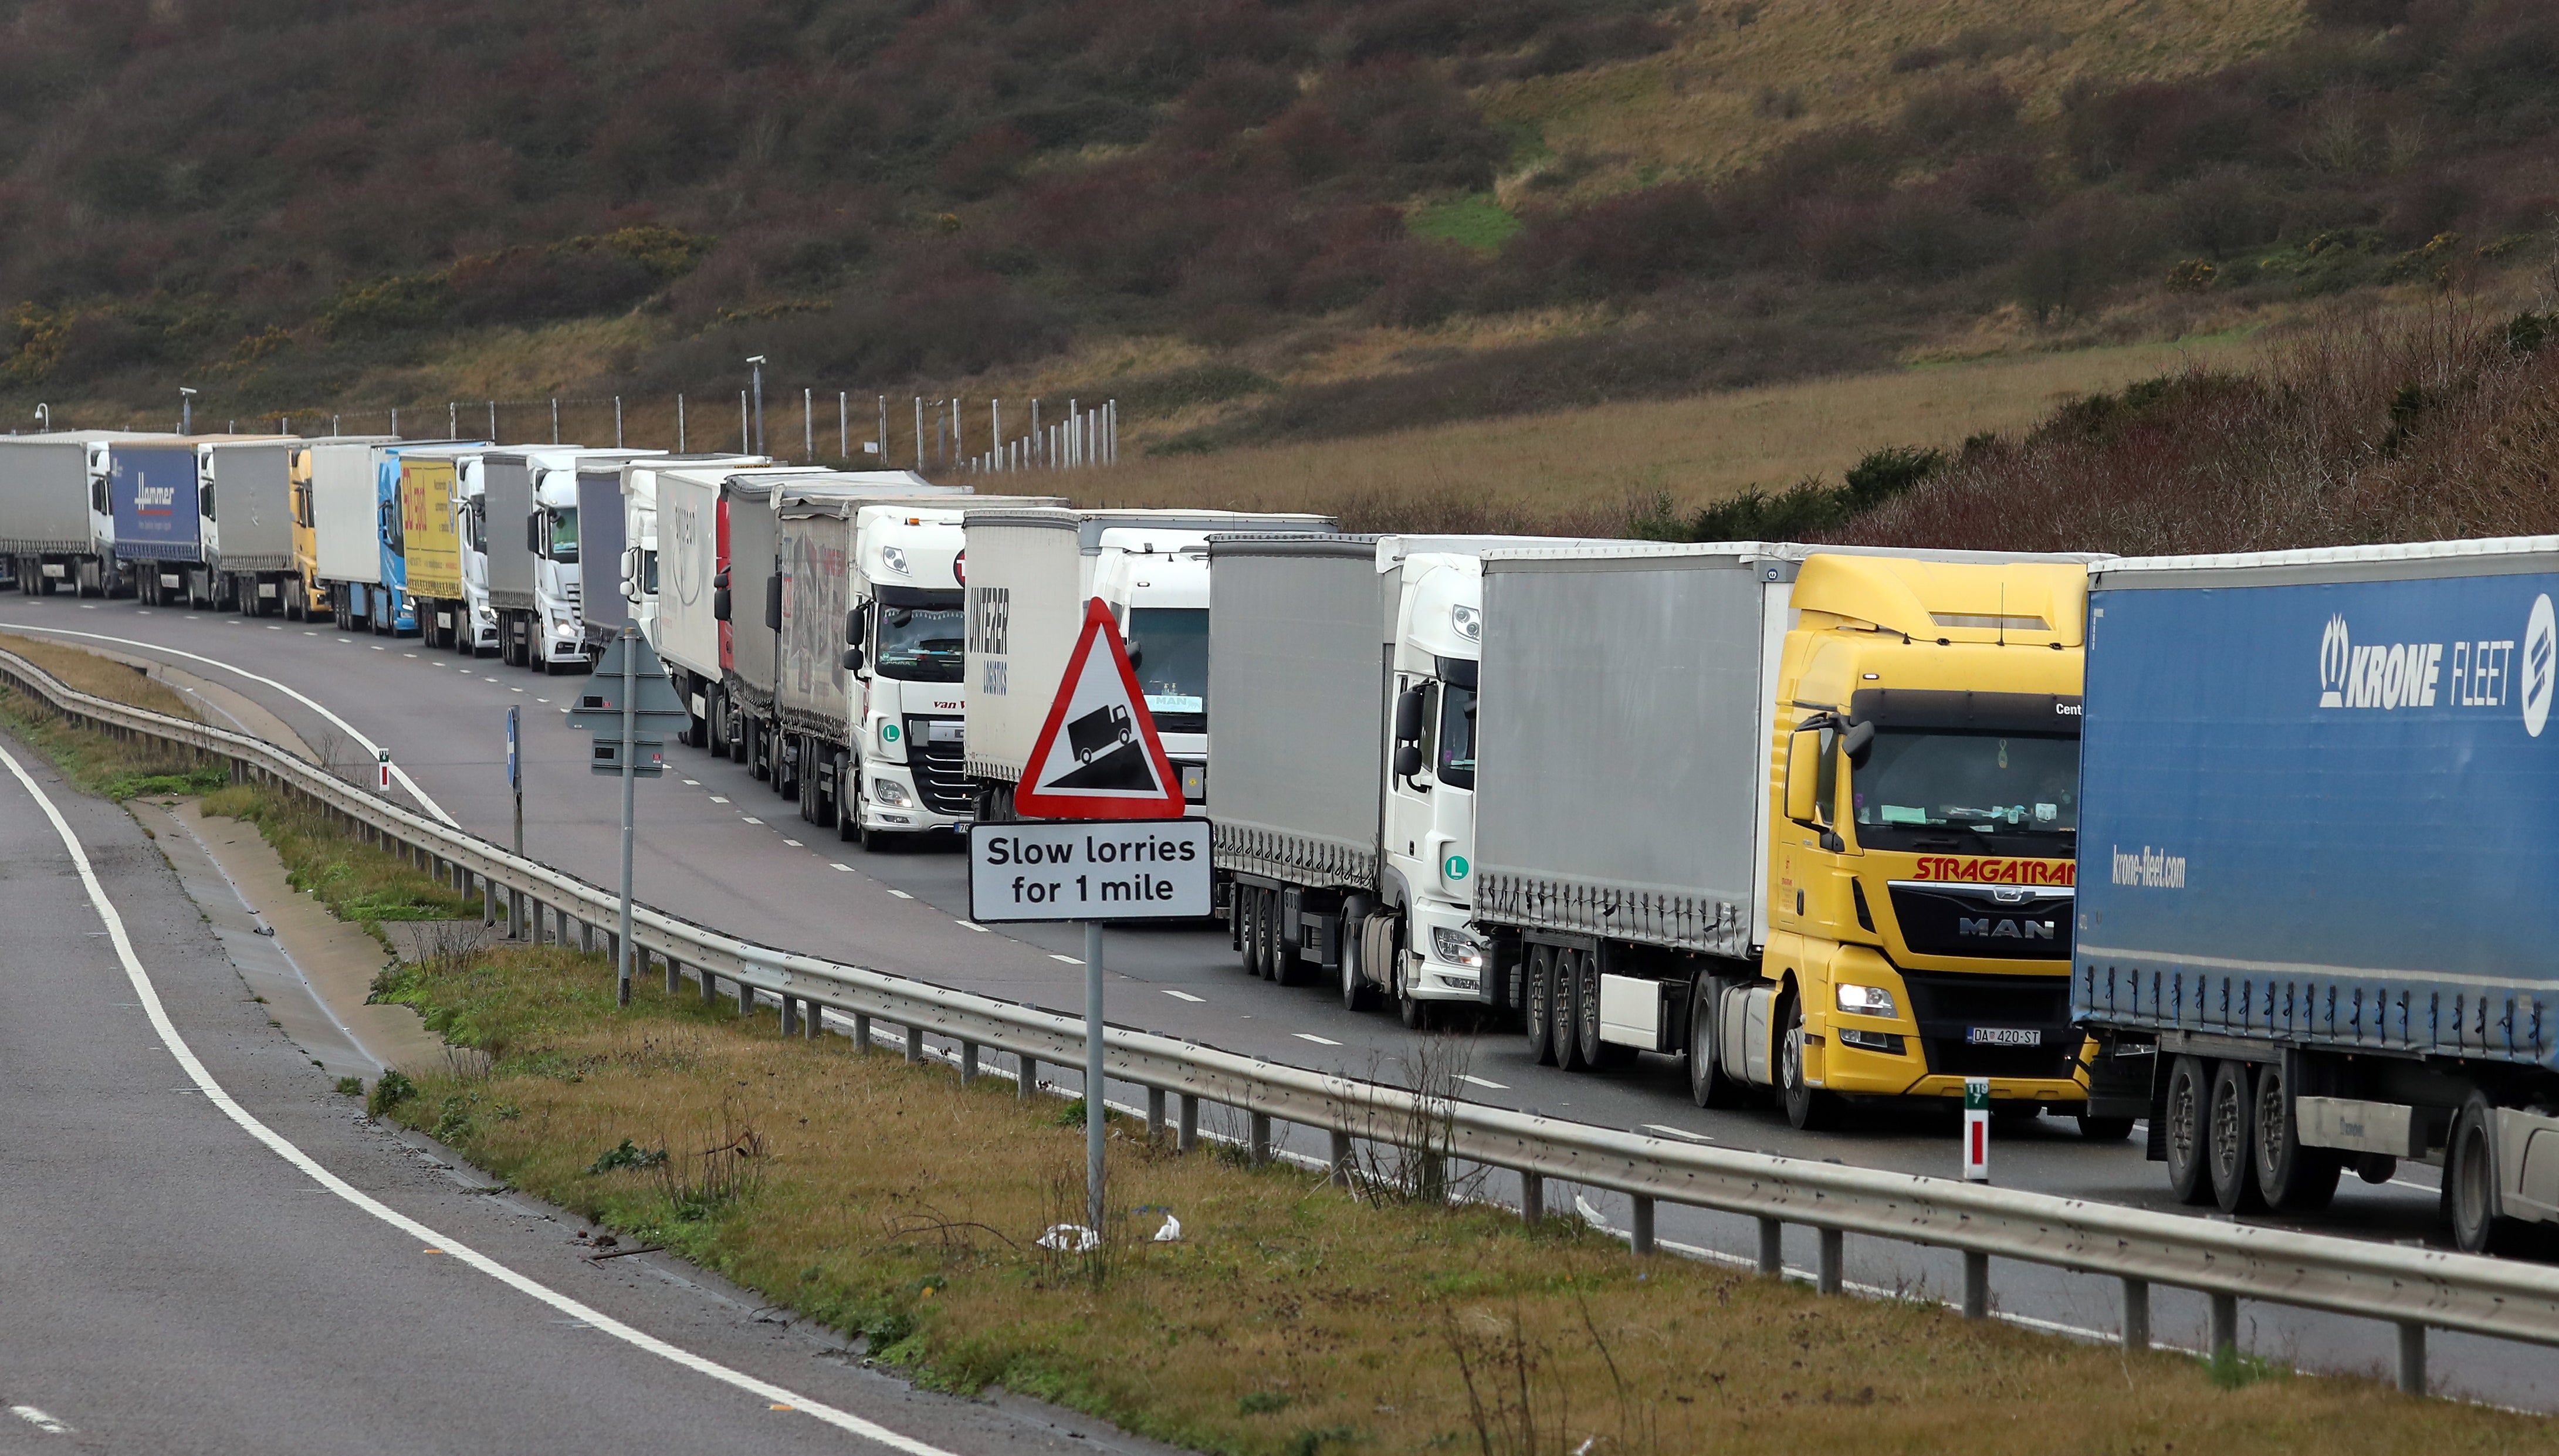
(480, 616)
(911, 775)
(1428, 838)
(1156, 582)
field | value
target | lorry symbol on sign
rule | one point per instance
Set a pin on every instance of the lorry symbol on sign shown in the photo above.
(1102, 728)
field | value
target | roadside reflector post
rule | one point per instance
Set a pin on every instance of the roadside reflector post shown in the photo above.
(383, 758)
(1977, 1129)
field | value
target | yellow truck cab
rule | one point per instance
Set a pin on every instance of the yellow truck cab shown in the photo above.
(1923, 831)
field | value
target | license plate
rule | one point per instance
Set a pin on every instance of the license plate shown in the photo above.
(2005, 1036)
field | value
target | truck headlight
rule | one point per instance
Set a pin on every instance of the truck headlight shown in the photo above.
(1456, 946)
(563, 630)
(890, 793)
(1865, 1000)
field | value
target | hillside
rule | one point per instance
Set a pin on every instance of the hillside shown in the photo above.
(1252, 223)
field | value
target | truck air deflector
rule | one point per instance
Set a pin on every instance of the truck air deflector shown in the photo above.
(1967, 713)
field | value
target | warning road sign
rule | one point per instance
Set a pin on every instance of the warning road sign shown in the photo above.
(1097, 756)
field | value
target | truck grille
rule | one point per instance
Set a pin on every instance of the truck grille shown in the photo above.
(1941, 919)
(941, 769)
(1948, 1006)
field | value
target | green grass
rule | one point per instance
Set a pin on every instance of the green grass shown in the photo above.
(359, 883)
(111, 767)
(1478, 222)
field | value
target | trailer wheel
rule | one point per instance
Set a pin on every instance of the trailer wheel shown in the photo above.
(1286, 965)
(1808, 1107)
(1596, 1053)
(715, 724)
(1707, 1087)
(2228, 1143)
(2470, 1196)
(2188, 1106)
(1266, 904)
(1536, 1003)
(2295, 1179)
(1564, 1013)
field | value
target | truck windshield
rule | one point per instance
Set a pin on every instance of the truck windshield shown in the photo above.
(1454, 753)
(563, 532)
(1947, 791)
(920, 644)
(1170, 648)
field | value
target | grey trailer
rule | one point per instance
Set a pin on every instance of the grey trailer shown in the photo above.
(604, 603)
(509, 505)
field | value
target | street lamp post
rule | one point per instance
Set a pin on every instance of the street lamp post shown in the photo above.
(44, 416)
(186, 410)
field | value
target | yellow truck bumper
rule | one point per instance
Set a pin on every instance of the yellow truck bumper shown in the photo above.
(1855, 1072)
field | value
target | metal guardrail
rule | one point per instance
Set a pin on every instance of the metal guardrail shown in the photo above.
(2412, 1288)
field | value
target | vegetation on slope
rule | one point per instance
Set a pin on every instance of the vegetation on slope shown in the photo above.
(295, 203)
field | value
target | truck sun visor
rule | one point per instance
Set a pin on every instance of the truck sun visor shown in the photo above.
(1978, 712)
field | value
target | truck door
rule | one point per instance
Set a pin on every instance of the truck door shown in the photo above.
(1407, 797)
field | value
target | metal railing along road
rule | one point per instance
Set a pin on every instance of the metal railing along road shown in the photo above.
(2412, 1288)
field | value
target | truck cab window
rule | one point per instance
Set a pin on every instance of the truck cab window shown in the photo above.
(649, 575)
(1453, 760)
(475, 524)
(1826, 788)
(1170, 649)
(561, 529)
(1924, 791)
(919, 644)
(1430, 727)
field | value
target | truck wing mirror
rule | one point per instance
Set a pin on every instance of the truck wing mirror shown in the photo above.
(720, 582)
(772, 601)
(1857, 743)
(1408, 715)
(719, 604)
(853, 623)
(532, 534)
(1803, 773)
(1408, 760)
(853, 660)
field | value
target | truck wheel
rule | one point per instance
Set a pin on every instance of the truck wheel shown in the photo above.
(1355, 937)
(714, 722)
(1565, 1009)
(2188, 1103)
(1808, 1107)
(848, 800)
(1596, 1053)
(2295, 1179)
(2471, 1184)
(1288, 968)
(1246, 905)
(805, 783)
(1536, 1004)
(1266, 934)
(1707, 1087)
(2228, 1143)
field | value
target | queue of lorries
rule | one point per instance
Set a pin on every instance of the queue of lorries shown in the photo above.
(2256, 849)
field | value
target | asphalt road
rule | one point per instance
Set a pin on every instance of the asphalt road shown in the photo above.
(719, 846)
(225, 1257)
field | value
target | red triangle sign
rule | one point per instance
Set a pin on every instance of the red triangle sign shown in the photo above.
(1097, 756)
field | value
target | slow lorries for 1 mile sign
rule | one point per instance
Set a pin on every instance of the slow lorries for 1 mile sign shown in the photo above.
(1100, 870)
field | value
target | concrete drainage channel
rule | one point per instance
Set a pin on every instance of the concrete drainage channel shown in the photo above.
(2413, 1289)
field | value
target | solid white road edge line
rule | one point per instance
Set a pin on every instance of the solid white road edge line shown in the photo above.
(213, 1092)
(429, 804)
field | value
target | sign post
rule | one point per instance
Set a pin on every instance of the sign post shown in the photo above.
(627, 699)
(1977, 1129)
(383, 758)
(1099, 764)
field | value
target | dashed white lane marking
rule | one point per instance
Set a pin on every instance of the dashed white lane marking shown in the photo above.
(516, 689)
(847, 869)
(271, 626)
(1664, 1128)
(408, 655)
(1308, 1036)
(1484, 1082)
(488, 679)
(424, 800)
(40, 1420)
(715, 799)
(378, 647)
(901, 893)
(1183, 995)
(750, 819)
(1068, 959)
(693, 783)
(213, 1092)
(794, 844)
(982, 929)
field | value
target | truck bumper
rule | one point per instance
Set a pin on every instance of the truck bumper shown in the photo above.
(886, 781)
(1855, 1071)
(1440, 978)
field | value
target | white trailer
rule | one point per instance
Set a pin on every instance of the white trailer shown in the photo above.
(645, 572)
(1029, 574)
(1335, 654)
(50, 526)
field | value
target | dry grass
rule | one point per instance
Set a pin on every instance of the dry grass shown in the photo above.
(1578, 470)
(101, 677)
(890, 1202)
(359, 883)
(1720, 97)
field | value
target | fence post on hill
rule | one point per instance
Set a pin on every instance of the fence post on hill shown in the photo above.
(844, 424)
(617, 421)
(493, 419)
(555, 419)
(679, 424)
(745, 439)
(919, 434)
(807, 425)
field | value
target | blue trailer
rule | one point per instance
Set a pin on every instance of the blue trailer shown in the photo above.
(387, 606)
(151, 489)
(2319, 865)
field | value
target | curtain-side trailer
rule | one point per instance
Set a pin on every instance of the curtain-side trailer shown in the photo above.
(2316, 866)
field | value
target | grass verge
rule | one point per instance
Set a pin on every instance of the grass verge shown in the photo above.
(359, 883)
(890, 1202)
(108, 766)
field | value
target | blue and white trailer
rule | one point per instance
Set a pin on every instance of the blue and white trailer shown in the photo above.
(2319, 871)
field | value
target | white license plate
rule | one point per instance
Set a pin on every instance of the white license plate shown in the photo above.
(2005, 1036)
